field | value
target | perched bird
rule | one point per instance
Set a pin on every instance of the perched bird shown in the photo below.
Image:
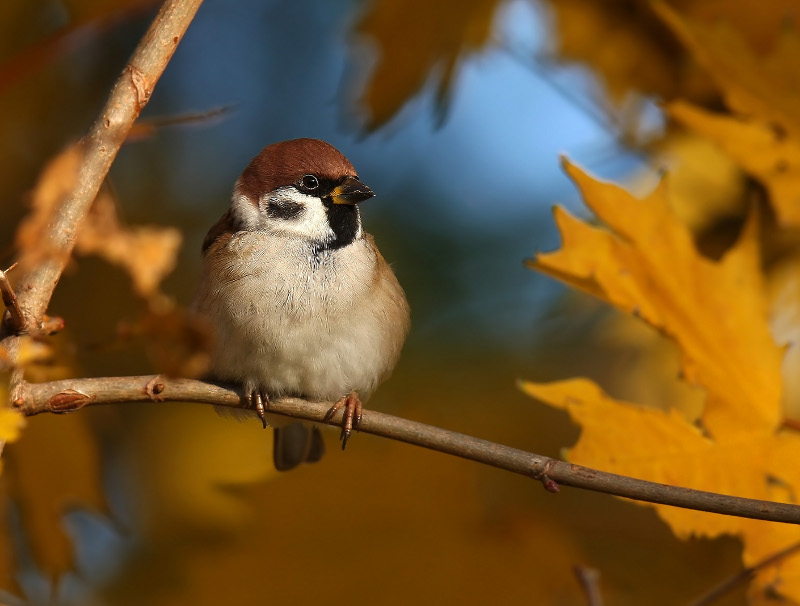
(301, 300)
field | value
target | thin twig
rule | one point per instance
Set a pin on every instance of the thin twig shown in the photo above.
(186, 118)
(72, 394)
(589, 580)
(745, 575)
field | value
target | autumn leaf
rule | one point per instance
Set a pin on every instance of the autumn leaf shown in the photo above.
(645, 263)
(11, 424)
(147, 253)
(661, 446)
(763, 85)
(706, 186)
(54, 467)
(56, 181)
(623, 42)
(648, 265)
(765, 153)
(417, 40)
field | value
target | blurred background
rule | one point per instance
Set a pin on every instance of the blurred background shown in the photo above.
(455, 114)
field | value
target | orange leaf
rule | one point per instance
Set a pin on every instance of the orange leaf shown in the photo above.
(56, 181)
(147, 253)
(764, 86)
(417, 40)
(623, 42)
(646, 263)
(662, 447)
(769, 156)
(715, 311)
(11, 424)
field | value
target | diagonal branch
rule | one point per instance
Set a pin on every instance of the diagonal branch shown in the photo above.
(745, 575)
(98, 150)
(72, 394)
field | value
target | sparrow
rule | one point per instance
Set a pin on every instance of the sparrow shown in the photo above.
(301, 300)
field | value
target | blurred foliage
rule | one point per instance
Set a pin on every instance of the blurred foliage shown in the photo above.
(442, 35)
(718, 312)
(45, 485)
(169, 504)
(647, 264)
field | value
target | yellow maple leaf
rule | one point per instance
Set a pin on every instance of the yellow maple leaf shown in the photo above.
(630, 48)
(661, 446)
(768, 155)
(646, 263)
(11, 421)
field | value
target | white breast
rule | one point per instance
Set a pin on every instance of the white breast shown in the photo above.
(291, 323)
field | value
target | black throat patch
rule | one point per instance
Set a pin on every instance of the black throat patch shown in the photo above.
(344, 220)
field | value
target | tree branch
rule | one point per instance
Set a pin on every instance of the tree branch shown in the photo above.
(99, 147)
(72, 394)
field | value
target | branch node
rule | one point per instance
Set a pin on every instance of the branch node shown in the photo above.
(70, 394)
(154, 388)
(139, 81)
(550, 485)
(52, 325)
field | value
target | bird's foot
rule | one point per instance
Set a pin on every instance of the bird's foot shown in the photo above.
(353, 410)
(258, 401)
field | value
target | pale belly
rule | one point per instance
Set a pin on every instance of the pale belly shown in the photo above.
(312, 356)
(318, 334)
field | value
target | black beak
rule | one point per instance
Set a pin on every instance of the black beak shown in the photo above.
(351, 191)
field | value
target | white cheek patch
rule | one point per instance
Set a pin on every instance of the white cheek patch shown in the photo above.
(310, 224)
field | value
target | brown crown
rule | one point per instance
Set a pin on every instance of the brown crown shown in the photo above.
(286, 162)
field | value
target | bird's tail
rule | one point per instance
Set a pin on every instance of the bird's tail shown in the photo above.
(296, 443)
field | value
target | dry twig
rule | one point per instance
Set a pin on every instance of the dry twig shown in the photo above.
(589, 580)
(745, 575)
(72, 394)
(98, 150)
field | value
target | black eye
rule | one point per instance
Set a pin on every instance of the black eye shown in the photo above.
(310, 182)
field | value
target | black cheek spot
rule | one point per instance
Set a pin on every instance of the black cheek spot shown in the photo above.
(284, 210)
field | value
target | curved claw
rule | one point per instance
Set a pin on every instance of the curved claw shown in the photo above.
(259, 401)
(353, 411)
